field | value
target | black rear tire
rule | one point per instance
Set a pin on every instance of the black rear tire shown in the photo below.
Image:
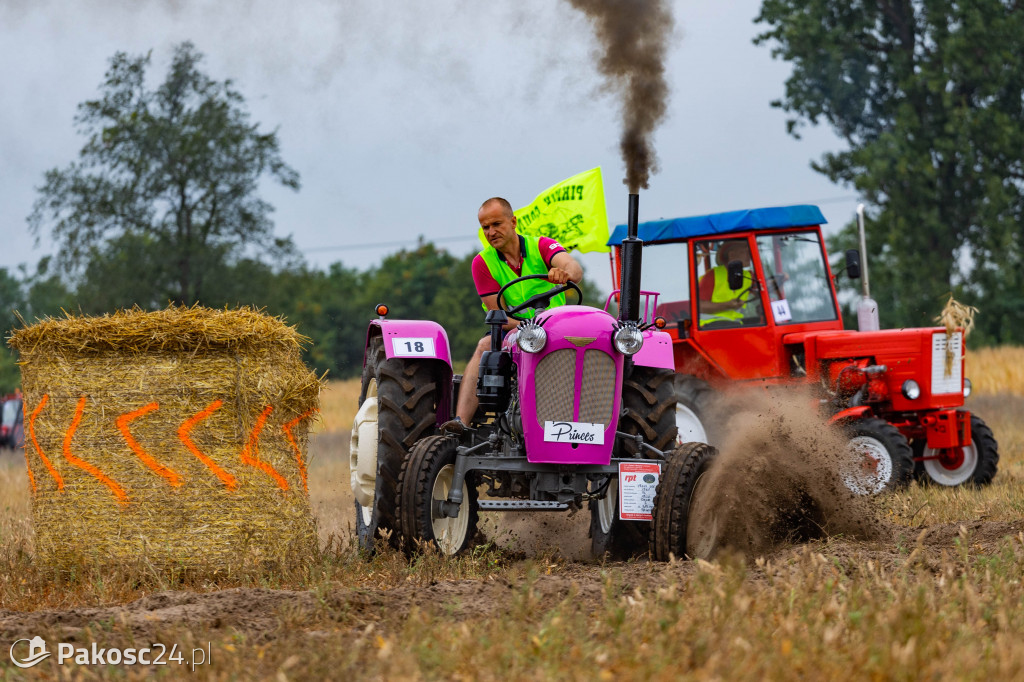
(679, 476)
(978, 465)
(881, 458)
(649, 409)
(425, 480)
(406, 391)
(611, 536)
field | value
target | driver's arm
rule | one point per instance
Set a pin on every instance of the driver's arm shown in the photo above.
(564, 268)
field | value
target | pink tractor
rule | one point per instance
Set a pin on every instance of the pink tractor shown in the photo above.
(576, 409)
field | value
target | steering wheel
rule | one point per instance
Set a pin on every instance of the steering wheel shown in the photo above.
(536, 300)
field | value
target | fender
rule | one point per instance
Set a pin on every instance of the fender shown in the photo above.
(656, 351)
(418, 339)
(850, 413)
(411, 339)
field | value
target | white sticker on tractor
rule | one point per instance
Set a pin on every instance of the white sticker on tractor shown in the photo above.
(781, 311)
(637, 483)
(405, 347)
(574, 432)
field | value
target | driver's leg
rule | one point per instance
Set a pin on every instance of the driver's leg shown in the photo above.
(468, 401)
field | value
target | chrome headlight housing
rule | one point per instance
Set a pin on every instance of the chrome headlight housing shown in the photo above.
(628, 339)
(531, 337)
(967, 387)
(910, 390)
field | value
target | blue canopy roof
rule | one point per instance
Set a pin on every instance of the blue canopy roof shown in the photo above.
(778, 217)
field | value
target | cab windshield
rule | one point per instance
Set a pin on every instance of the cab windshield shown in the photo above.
(796, 276)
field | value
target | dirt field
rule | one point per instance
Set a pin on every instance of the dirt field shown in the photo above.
(923, 583)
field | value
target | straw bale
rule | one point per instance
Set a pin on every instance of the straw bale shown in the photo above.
(114, 403)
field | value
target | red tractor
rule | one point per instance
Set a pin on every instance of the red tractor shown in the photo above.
(750, 298)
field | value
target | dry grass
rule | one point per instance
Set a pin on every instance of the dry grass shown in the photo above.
(944, 603)
(996, 370)
(338, 404)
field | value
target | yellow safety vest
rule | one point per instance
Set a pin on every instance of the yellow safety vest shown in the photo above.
(723, 293)
(533, 264)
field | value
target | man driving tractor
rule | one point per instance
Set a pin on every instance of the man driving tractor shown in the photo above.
(508, 256)
(720, 303)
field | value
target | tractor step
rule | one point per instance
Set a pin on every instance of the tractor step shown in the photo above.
(520, 505)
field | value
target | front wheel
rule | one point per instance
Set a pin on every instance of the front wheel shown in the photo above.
(671, 533)
(972, 464)
(425, 482)
(878, 457)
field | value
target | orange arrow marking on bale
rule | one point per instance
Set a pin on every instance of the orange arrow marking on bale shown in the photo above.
(250, 453)
(31, 478)
(122, 425)
(295, 446)
(186, 428)
(118, 491)
(32, 435)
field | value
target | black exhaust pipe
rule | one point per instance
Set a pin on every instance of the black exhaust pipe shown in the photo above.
(629, 294)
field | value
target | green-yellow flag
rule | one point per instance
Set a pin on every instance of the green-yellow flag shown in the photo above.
(572, 212)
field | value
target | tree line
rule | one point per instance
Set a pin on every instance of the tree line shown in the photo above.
(331, 307)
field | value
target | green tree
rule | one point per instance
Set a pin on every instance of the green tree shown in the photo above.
(11, 300)
(164, 192)
(927, 96)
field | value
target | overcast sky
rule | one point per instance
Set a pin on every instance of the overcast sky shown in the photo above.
(402, 116)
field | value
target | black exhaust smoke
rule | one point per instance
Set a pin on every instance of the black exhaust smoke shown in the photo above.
(634, 37)
(629, 294)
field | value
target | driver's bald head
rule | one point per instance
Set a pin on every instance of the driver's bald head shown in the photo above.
(498, 201)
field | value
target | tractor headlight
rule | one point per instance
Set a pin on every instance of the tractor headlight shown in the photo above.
(531, 337)
(967, 387)
(628, 339)
(910, 390)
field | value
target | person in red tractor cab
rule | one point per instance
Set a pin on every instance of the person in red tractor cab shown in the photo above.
(718, 302)
(509, 256)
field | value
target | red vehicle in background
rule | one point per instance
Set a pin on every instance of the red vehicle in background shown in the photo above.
(12, 422)
(750, 299)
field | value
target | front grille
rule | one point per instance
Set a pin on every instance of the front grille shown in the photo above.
(555, 387)
(598, 388)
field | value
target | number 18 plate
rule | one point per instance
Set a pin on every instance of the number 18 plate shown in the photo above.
(411, 347)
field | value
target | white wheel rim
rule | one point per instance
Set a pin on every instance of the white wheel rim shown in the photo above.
(363, 453)
(943, 476)
(868, 467)
(700, 541)
(608, 506)
(689, 427)
(449, 533)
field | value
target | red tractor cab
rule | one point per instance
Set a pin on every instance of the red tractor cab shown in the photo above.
(750, 298)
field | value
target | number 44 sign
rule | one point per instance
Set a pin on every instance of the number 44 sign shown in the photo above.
(637, 483)
(781, 311)
(411, 347)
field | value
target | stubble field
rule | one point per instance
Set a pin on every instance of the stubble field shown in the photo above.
(937, 594)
